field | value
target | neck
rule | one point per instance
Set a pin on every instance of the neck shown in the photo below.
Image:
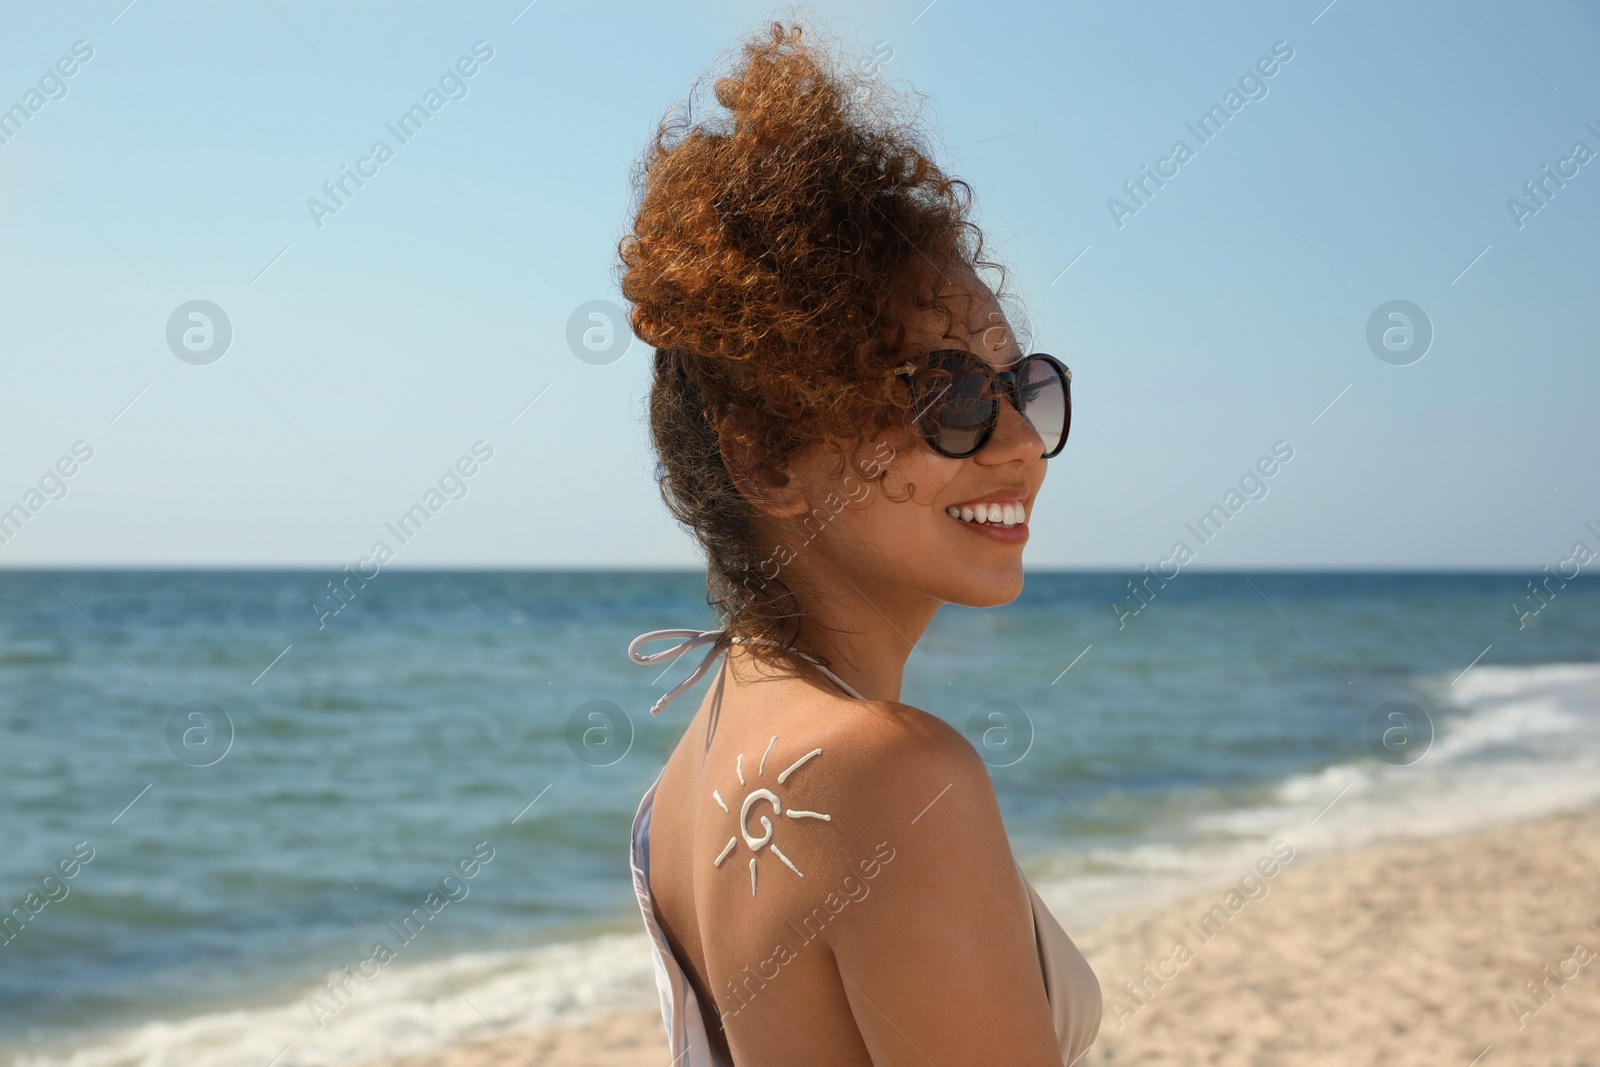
(865, 632)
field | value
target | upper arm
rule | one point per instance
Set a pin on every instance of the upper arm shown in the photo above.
(938, 959)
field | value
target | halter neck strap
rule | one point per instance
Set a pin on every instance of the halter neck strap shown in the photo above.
(689, 640)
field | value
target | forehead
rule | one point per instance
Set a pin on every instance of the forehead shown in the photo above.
(967, 316)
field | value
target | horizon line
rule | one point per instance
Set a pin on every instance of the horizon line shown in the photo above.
(312, 568)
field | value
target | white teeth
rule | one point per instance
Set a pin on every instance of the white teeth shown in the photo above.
(984, 514)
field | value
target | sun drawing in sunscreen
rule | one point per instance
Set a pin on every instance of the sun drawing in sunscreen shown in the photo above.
(755, 796)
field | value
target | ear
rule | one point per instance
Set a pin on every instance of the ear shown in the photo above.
(771, 492)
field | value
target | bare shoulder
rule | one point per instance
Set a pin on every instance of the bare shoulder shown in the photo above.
(845, 776)
(926, 913)
(890, 763)
(886, 777)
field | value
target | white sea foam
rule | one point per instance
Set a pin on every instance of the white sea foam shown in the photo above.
(416, 1010)
(1512, 743)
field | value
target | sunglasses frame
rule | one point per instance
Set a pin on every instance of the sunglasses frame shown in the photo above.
(1009, 381)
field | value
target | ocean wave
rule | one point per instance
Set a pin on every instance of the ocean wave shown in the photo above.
(417, 1010)
(1511, 743)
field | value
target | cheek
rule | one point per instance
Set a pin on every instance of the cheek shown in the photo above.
(895, 512)
(920, 477)
(915, 486)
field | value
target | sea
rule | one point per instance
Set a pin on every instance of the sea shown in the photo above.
(221, 791)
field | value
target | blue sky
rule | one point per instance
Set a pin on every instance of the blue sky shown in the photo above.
(369, 354)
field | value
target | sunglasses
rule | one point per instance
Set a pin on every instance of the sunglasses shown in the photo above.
(958, 418)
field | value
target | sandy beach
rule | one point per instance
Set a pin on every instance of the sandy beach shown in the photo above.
(1475, 948)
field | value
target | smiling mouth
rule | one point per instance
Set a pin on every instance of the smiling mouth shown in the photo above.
(990, 514)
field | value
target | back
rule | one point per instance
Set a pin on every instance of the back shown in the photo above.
(834, 879)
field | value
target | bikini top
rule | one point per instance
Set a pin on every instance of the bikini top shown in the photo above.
(1070, 983)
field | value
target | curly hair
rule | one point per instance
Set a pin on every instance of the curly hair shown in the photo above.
(774, 251)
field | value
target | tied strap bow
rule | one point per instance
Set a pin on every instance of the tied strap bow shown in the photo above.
(688, 641)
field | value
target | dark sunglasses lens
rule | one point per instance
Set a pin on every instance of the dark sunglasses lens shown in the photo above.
(961, 411)
(1045, 403)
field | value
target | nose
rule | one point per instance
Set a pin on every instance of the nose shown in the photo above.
(1014, 438)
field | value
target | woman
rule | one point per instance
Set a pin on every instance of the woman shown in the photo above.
(838, 411)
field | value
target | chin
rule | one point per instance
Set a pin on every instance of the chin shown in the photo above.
(987, 587)
(974, 572)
